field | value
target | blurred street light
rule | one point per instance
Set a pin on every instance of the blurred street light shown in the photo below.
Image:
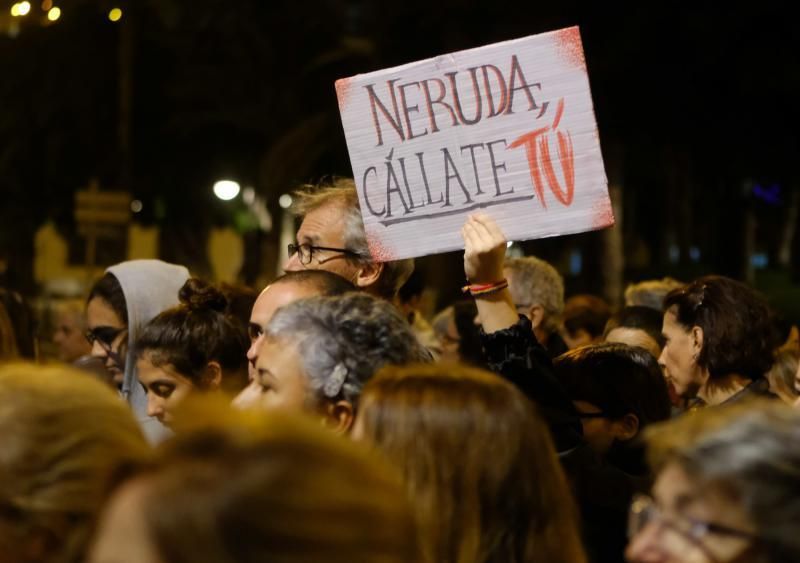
(54, 13)
(285, 201)
(24, 8)
(115, 14)
(226, 190)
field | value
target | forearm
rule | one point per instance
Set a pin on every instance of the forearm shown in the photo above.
(496, 311)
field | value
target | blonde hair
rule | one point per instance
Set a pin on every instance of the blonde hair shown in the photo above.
(245, 487)
(478, 462)
(63, 434)
(342, 192)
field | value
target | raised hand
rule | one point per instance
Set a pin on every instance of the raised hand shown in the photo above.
(484, 249)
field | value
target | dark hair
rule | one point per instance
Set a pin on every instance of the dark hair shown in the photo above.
(196, 332)
(109, 290)
(327, 283)
(738, 331)
(641, 318)
(586, 312)
(23, 324)
(618, 379)
(414, 286)
(240, 301)
(470, 350)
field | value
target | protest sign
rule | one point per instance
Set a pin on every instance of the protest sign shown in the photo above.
(507, 128)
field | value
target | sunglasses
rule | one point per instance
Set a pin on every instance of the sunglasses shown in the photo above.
(105, 335)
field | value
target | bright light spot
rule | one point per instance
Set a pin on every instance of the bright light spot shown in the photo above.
(115, 15)
(15, 10)
(47, 4)
(54, 13)
(249, 195)
(285, 201)
(24, 8)
(226, 189)
(509, 244)
(136, 206)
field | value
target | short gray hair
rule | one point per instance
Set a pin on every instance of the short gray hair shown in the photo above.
(650, 293)
(750, 449)
(344, 340)
(342, 192)
(536, 282)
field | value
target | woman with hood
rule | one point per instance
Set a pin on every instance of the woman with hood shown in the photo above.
(125, 299)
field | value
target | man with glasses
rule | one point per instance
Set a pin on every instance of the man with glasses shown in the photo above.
(332, 238)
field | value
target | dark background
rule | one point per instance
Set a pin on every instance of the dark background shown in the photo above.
(696, 107)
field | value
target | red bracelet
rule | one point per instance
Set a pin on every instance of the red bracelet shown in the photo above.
(485, 288)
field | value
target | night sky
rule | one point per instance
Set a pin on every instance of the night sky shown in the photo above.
(696, 107)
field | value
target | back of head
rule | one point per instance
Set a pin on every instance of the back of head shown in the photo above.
(342, 192)
(344, 340)
(324, 283)
(533, 281)
(63, 434)
(477, 460)
(738, 332)
(245, 488)
(641, 318)
(650, 293)
(588, 313)
(195, 333)
(618, 379)
(749, 450)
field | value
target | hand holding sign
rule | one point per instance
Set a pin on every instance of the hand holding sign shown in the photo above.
(484, 249)
(508, 128)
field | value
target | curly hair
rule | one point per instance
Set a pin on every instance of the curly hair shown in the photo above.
(344, 340)
(738, 332)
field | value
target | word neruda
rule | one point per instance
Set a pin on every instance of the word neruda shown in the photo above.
(443, 100)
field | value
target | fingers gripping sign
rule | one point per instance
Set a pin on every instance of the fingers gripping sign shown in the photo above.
(484, 249)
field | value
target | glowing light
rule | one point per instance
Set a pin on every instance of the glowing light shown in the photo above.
(24, 8)
(54, 13)
(226, 189)
(15, 10)
(509, 244)
(136, 206)
(285, 201)
(115, 14)
(249, 195)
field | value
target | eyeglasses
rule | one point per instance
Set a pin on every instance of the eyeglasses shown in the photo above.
(306, 252)
(105, 335)
(643, 511)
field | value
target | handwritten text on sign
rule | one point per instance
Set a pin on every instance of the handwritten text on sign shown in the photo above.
(508, 127)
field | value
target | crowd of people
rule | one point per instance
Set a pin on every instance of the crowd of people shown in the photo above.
(324, 419)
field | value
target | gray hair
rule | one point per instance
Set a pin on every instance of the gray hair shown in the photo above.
(650, 293)
(752, 451)
(342, 191)
(344, 340)
(533, 281)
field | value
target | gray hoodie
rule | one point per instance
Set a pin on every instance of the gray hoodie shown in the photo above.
(150, 286)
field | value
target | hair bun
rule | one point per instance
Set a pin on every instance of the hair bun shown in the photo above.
(197, 294)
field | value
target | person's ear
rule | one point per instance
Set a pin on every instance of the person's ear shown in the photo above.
(627, 427)
(536, 314)
(696, 337)
(339, 416)
(368, 274)
(212, 376)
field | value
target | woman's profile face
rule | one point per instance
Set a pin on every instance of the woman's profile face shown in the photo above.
(166, 388)
(690, 523)
(678, 357)
(108, 336)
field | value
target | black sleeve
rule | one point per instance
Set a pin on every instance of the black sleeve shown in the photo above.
(515, 354)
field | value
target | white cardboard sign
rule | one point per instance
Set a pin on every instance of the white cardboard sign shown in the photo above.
(507, 128)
